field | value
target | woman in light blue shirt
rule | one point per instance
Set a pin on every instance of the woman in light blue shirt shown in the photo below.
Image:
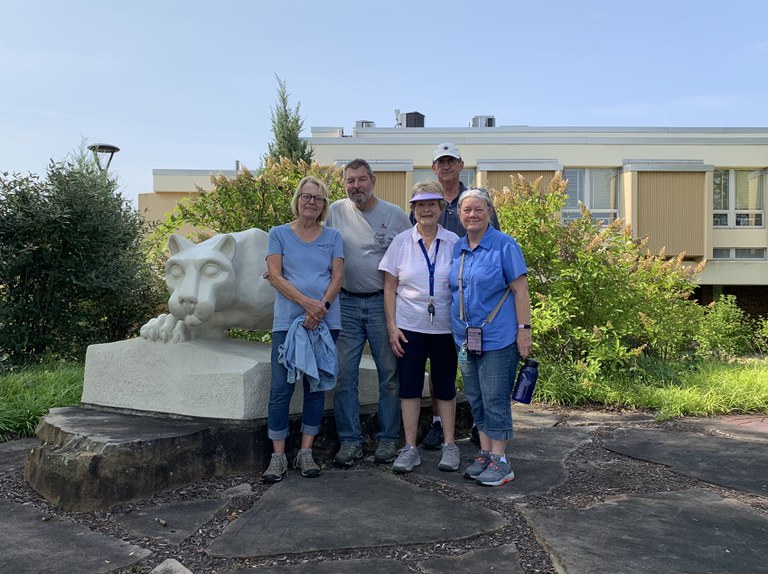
(305, 261)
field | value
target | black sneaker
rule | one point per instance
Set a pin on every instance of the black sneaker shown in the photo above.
(474, 436)
(434, 439)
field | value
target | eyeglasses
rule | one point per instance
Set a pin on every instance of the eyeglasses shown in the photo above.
(446, 160)
(307, 197)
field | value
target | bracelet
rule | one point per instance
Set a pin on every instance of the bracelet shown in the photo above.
(523, 326)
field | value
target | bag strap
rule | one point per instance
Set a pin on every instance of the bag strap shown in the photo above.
(496, 309)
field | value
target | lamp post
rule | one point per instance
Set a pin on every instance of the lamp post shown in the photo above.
(106, 151)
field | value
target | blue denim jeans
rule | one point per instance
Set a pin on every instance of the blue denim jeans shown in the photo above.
(280, 393)
(362, 319)
(488, 381)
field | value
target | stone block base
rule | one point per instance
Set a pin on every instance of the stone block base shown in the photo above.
(93, 459)
(226, 379)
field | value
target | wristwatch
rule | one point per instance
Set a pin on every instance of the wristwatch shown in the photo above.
(327, 305)
(523, 326)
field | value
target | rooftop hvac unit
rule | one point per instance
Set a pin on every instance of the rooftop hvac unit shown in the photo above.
(365, 124)
(411, 120)
(483, 122)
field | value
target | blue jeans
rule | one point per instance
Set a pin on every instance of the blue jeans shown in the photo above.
(488, 381)
(362, 318)
(280, 393)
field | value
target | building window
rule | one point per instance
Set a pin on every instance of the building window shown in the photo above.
(598, 189)
(738, 198)
(739, 253)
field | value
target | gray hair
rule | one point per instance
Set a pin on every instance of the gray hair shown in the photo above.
(478, 193)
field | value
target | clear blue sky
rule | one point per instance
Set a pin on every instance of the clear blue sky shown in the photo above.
(188, 84)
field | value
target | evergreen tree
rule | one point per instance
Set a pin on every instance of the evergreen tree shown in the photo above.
(286, 128)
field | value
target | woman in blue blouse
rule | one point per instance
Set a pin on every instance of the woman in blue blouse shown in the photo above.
(490, 320)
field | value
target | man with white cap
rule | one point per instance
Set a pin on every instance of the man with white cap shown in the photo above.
(447, 165)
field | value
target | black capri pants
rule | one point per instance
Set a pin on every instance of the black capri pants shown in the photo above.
(441, 351)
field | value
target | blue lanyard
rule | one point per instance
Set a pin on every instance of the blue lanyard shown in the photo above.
(430, 265)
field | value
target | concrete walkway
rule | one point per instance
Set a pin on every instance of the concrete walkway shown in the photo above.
(720, 525)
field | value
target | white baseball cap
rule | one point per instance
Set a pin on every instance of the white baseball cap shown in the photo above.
(446, 149)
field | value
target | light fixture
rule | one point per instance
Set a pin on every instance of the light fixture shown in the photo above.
(102, 152)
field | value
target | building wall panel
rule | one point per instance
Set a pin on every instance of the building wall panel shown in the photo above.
(670, 211)
(392, 186)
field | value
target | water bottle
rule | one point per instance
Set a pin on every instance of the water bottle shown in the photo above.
(526, 381)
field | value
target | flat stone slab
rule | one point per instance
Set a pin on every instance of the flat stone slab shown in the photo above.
(301, 515)
(502, 559)
(578, 417)
(537, 415)
(370, 566)
(13, 454)
(534, 416)
(670, 532)
(747, 427)
(538, 458)
(738, 464)
(32, 544)
(171, 523)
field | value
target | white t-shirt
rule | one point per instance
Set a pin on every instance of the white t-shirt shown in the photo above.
(405, 260)
(366, 235)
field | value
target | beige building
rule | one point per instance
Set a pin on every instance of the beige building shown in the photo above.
(697, 190)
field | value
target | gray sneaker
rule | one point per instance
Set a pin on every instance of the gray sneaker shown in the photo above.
(348, 454)
(478, 465)
(451, 458)
(306, 464)
(385, 452)
(278, 466)
(496, 473)
(407, 458)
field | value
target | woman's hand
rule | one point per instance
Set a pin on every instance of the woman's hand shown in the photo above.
(310, 323)
(396, 337)
(524, 342)
(315, 311)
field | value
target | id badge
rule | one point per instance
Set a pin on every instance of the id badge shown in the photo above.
(474, 340)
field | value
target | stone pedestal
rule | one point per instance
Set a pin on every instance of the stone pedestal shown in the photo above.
(156, 416)
(91, 459)
(209, 378)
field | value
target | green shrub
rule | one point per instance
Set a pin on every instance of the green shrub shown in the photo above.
(260, 200)
(72, 270)
(600, 301)
(726, 331)
(761, 335)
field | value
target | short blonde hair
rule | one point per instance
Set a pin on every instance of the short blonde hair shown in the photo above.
(430, 187)
(298, 192)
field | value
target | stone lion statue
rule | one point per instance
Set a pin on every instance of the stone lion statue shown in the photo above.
(215, 285)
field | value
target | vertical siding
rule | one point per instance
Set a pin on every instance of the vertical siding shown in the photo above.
(392, 186)
(498, 180)
(670, 211)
